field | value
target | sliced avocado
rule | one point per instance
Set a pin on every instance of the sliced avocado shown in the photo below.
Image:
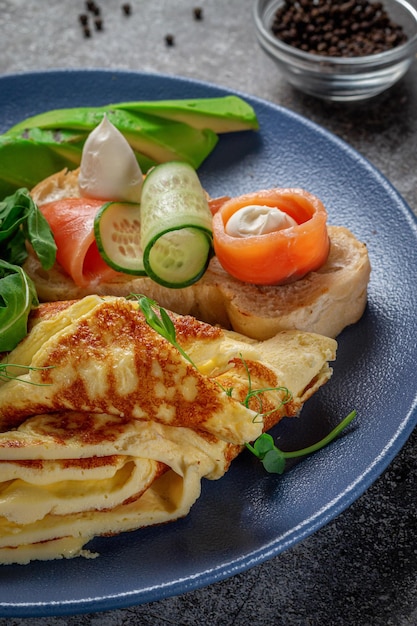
(158, 131)
(159, 139)
(222, 115)
(24, 162)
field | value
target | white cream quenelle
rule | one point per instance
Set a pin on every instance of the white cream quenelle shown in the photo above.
(109, 169)
(256, 219)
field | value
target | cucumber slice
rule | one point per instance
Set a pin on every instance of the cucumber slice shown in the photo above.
(178, 258)
(176, 225)
(117, 233)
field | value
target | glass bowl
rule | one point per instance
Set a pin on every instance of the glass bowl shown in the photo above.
(340, 78)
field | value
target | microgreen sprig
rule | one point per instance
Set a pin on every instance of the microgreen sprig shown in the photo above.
(264, 448)
(5, 376)
(274, 459)
(158, 319)
(257, 393)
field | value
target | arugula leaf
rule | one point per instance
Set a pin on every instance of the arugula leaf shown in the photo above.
(17, 297)
(21, 221)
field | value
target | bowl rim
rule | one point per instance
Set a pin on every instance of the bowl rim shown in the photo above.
(402, 51)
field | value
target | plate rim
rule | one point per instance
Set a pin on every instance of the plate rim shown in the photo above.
(321, 517)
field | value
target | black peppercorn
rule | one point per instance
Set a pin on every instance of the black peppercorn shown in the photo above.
(345, 28)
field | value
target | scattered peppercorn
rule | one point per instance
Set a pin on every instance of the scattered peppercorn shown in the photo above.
(126, 8)
(90, 5)
(338, 28)
(169, 40)
(98, 23)
(83, 19)
(198, 13)
(87, 32)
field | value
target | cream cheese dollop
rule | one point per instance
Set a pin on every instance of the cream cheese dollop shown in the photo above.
(109, 169)
(257, 219)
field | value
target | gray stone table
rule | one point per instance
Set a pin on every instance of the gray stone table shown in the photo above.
(372, 580)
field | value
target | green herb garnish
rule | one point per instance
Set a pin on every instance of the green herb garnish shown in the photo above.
(21, 221)
(4, 374)
(159, 320)
(257, 393)
(274, 459)
(264, 448)
(17, 297)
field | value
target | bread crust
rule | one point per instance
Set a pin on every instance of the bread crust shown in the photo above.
(324, 301)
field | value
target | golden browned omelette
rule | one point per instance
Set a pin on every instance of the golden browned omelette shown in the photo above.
(106, 427)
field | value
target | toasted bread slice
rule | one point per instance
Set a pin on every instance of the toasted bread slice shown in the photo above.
(324, 301)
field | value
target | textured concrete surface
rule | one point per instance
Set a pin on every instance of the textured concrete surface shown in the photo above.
(361, 569)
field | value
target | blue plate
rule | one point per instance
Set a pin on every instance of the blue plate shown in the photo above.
(249, 516)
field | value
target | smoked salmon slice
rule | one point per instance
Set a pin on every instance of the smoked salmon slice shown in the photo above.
(277, 257)
(72, 223)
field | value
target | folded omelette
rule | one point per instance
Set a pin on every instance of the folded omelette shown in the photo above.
(106, 426)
